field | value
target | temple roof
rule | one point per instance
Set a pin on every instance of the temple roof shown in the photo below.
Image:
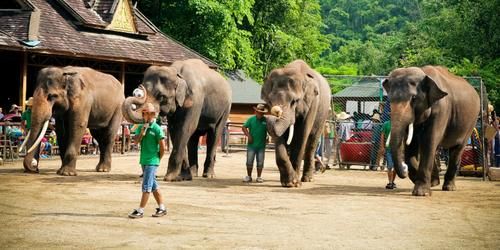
(99, 29)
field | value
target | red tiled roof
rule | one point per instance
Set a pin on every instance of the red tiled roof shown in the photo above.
(61, 32)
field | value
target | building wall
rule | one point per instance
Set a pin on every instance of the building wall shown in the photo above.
(241, 112)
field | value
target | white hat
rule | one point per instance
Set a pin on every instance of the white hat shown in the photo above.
(260, 108)
(29, 102)
(343, 116)
(376, 117)
(13, 107)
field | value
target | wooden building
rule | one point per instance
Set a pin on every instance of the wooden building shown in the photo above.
(246, 95)
(108, 35)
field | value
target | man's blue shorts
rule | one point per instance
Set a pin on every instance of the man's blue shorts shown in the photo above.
(149, 178)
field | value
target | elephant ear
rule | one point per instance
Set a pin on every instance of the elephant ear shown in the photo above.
(267, 87)
(181, 93)
(387, 85)
(73, 83)
(310, 84)
(433, 91)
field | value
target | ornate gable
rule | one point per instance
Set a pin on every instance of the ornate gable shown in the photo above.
(123, 17)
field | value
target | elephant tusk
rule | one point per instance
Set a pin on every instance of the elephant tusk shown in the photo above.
(40, 136)
(25, 140)
(410, 134)
(290, 135)
(387, 141)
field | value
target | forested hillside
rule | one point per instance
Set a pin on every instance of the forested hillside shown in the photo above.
(360, 37)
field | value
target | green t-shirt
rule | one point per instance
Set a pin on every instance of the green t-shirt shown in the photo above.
(150, 146)
(386, 129)
(26, 116)
(258, 131)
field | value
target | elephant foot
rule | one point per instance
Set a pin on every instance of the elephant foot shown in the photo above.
(211, 176)
(421, 190)
(67, 171)
(31, 171)
(194, 171)
(307, 178)
(291, 183)
(103, 168)
(449, 186)
(435, 182)
(176, 178)
(186, 175)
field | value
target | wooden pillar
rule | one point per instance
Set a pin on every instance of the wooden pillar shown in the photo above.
(122, 75)
(24, 80)
(122, 80)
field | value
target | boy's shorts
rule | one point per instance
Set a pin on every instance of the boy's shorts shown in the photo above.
(149, 178)
(390, 162)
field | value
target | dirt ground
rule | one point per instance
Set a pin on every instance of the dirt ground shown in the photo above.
(342, 209)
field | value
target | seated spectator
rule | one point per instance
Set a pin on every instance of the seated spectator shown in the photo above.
(45, 148)
(1, 114)
(346, 126)
(13, 132)
(86, 139)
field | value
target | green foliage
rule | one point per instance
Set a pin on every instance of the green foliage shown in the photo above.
(341, 37)
(253, 35)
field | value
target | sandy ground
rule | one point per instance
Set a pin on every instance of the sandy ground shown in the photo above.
(342, 209)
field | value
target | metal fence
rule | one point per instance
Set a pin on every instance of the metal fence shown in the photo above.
(359, 140)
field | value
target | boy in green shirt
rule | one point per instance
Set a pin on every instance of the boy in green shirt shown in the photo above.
(391, 173)
(150, 135)
(256, 130)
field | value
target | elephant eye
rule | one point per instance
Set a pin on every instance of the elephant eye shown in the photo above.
(51, 97)
(138, 93)
(161, 98)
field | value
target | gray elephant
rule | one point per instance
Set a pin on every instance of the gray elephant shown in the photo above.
(77, 98)
(299, 98)
(430, 107)
(196, 101)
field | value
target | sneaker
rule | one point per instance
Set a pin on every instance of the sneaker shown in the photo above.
(160, 212)
(247, 179)
(394, 185)
(389, 186)
(135, 214)
(260, 180)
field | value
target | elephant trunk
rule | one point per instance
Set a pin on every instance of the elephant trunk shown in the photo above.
(396, 138)
(132, 105)
(40, 116)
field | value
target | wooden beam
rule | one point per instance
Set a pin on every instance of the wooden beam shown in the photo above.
(24, 80)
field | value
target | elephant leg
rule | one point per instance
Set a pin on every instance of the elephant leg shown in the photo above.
(426, 163)
(411, 157)
(451, 171)
(213, 136)
(186, 171)
(73, 147)
(192, 150)
(107, 136)
(62, 136)
(435, 172)
(208, 166)
(296, 148)
(311, 146)
(184, 129)
(288, 176)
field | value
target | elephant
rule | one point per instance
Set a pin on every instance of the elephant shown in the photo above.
(299, 98)
(77, 97)
(196, 101)
(430, 107)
